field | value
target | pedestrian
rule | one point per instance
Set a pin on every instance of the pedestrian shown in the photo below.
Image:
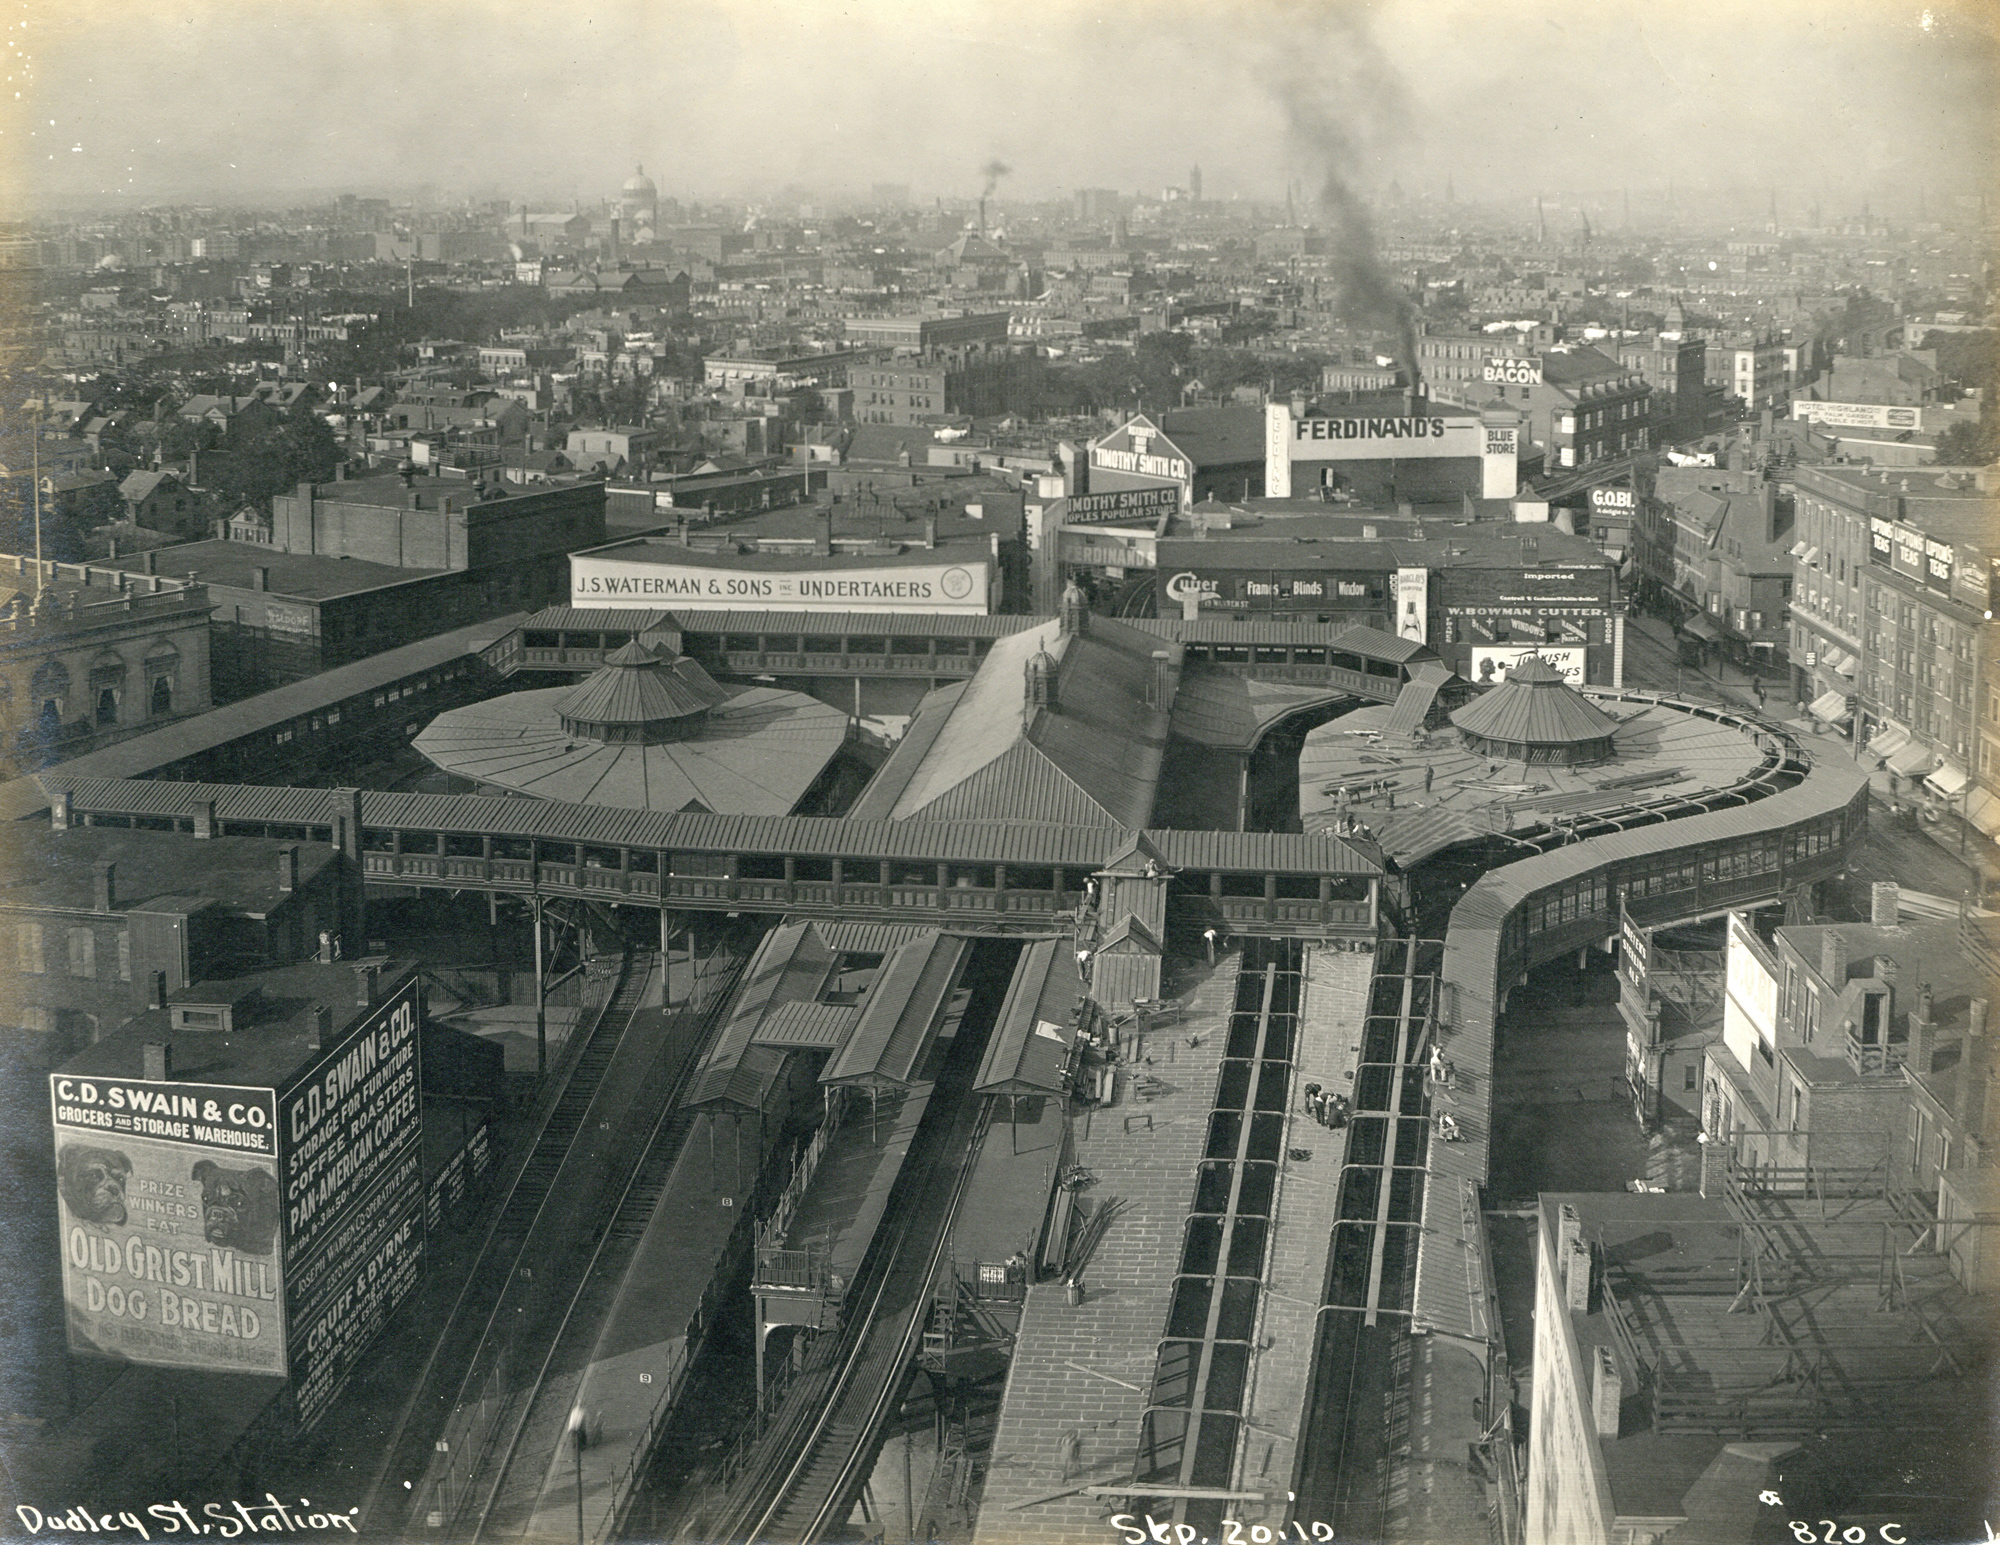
(1312, 1101)
(1448, 1128)
(579, 1427)
(1429, 774)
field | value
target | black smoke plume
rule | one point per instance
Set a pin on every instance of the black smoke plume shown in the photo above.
(993, 171)
(1343, 102)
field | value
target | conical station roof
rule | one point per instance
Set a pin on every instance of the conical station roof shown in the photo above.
(1534, 712)
(640, 688)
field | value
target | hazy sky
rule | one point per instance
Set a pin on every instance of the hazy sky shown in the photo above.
(166, 99)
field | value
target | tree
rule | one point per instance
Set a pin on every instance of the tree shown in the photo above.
(298, 448)
(1969, 445)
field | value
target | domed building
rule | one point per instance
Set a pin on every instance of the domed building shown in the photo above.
(650, 730)
(639, 204)
(1535, 716)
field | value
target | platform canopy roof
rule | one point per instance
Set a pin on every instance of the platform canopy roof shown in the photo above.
(1028, 1049)
(902, 1014)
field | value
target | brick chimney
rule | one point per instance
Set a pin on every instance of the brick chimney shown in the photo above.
(364, 986)
(204, 819)
(323, 1026)
(288, 867)
(107, 887)
(156, 995)
(159, 1061)
(1576, 1277)
(62, 815)
(1833, 957)
(1606, 1390)
(1885, 901)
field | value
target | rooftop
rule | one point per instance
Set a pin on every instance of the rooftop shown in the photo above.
(756, 751)
(972, 753)
(275, 1035)
(1751, 1316)
(1420, 797)
(299, 576)
(47, 868)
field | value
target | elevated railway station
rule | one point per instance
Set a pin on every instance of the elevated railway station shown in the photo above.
(1017, 1073)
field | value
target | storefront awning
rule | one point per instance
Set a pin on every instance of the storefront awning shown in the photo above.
(1831, 707)
(1798, 549)
(1812, 557)
(1845, 663)
(1700, 627)
(1914, 758)
(1983, 811)
(1888, 741)
(1946, 780)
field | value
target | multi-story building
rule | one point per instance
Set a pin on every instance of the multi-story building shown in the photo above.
(1474, 368)
(980, 381)
(104, 921)
(347, 569)
(920, 334)
(1896, 574)
(1709, 1367)
(96, 656)
(1751, 370)
(1670, 997)
(1826, 1028)
(1674, 367)
(1731, 560)
(1588, 407)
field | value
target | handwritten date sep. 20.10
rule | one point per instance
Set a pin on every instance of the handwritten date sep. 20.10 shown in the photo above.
(1148, 1530)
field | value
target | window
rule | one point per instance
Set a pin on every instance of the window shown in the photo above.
(82, 952)
(124, 957)
(28, 940)
(1689, 1074)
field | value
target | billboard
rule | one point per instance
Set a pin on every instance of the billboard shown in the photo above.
(1137, 504)
(1490, 665)
(351, 1156)
(1512, 370)
(167, 1196)
(1858, 415)
(940, 587)
(1369, 438)
(1500, 463)
(1413, 604)
(1189, 587)
(1292, 444)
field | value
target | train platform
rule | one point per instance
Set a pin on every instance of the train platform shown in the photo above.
(841, 1209)
(1007, 1197)
(644, 1350)
(1066, 1447)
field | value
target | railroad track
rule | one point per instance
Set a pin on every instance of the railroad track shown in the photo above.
(510, 1486)
(1373, 1251)
(410, 1448)
(807, 1470)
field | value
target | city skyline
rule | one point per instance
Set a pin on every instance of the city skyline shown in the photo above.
(240, 108)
